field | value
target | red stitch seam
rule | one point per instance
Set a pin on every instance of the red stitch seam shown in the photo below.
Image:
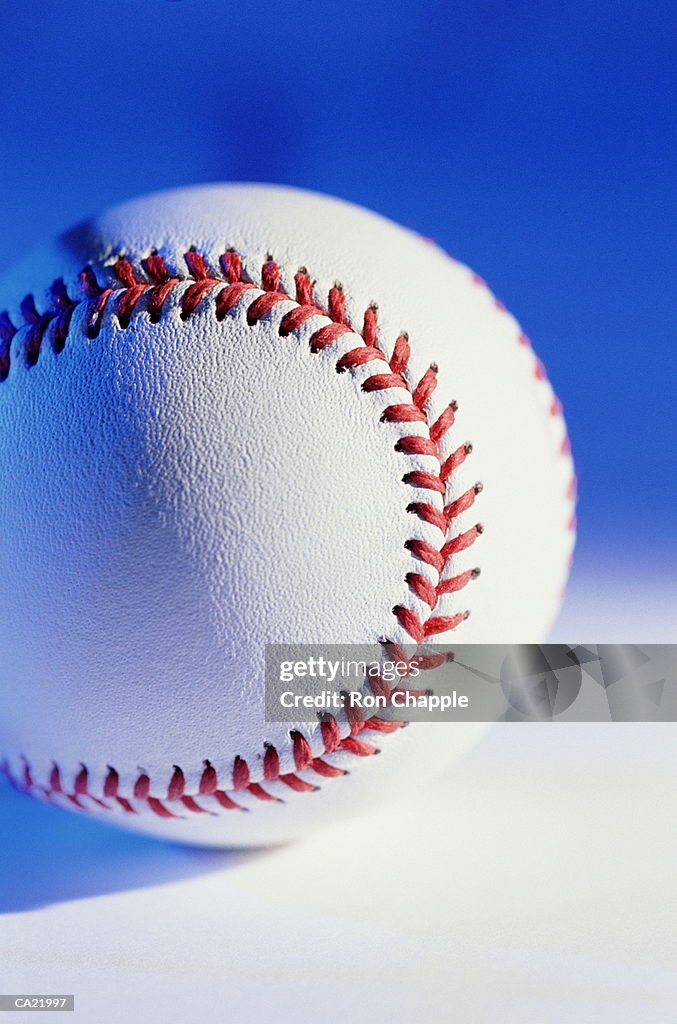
(226, 290)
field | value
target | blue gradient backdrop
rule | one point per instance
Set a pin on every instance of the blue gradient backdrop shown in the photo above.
(533, 141)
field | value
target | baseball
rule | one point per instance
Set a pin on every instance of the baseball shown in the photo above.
(236, 415)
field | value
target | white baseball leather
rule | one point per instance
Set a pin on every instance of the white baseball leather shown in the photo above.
(177, 494)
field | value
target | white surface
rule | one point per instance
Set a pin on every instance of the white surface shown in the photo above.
(176, 495)
(536, 883)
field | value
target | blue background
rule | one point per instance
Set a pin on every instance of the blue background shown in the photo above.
(533, 141)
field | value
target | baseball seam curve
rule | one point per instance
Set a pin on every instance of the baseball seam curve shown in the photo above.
(149, 287)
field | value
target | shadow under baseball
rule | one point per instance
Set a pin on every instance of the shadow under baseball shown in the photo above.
(50, 856)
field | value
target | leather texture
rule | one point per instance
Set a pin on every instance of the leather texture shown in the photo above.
(175, 495)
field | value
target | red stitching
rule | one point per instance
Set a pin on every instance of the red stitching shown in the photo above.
(460, 543)
(152, 284)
